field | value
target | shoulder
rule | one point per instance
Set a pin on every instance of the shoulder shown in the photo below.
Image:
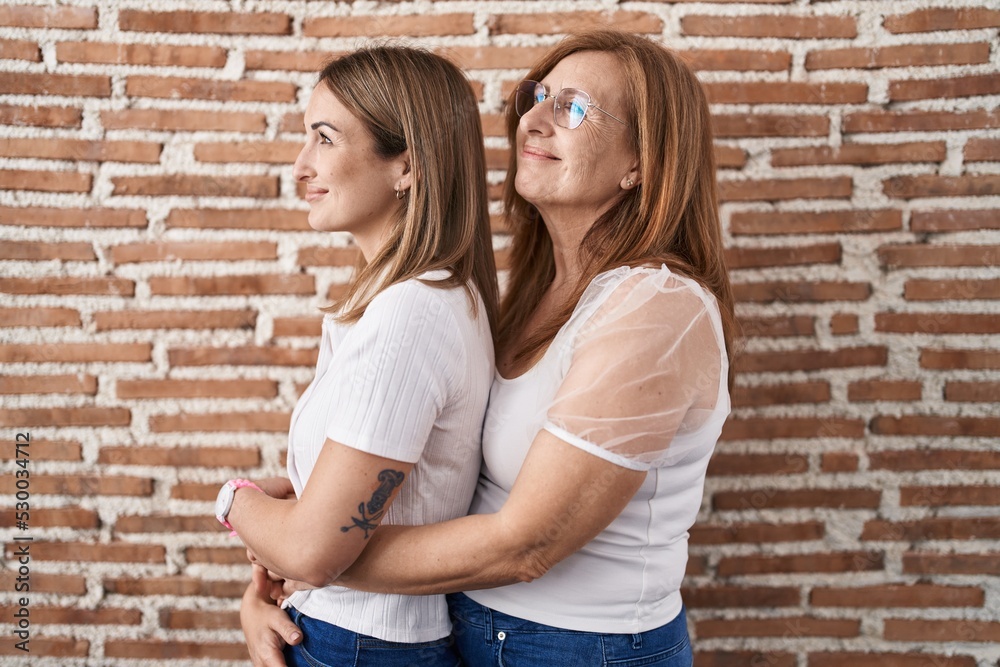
(641, 292)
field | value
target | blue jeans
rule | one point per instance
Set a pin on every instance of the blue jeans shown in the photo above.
(488, 638)
(326, 645)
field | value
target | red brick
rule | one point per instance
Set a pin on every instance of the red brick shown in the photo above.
(952, 359)
(194, 491)
(272, 152)
(493, 57)
(919, 121)
(800, 292)
(795, 498)
(951, 220)
(972, 392)
(842, 324)
(861, 154)
(779, 326)
(767, 125)
(748, 533)
(787, 627)
(190, 619)
(217, 555)
(907, 55)
(736, 60)
(785, 92)
(811, 360)
(889, 595)
(914, 254)
(167, 87)
(167, 524)
(327, 256)
(941, 18)
(862, 391)
(766, 428)
(48, 384)
(850, 561)
(159, 55)
(279, 219)
(49, 450)
(175, 585)
(917, 425)
(191, 120)
(297, 326)
(38, 251)
(730, 157)
(52, 17)
(20, 49)
(39, 317)
(960, 86)
(941, 630)
(75, 353)
(930, 185)
(85, 485)
(770, 658)
(69, 85)
(64, 217)
(241, 356)
(242, 388)
(944, 528)
(138, 649)
(36, 417)
(260, 187)
(288, 61)
(937, 323)
(765, 25)
(934, 459)
(84, 552)
(943, 290)
(815, 222)
(393, 25)
(839, 462)
(750, 258)
(982, 150)
(59, 517)
(76, 616)
(44, 181)
(951, 563)
(888, 660)
(221, 23)
(42, 582)
(174, 319)
(785, 188)
(781, 394)
(565, 22)
(702, 597)
(944, 496)
(56, 647)
(237, 457)
(226, 285)
(193, 251)
(757, 464)
(66, 117)
(242, 422)
(61, 285)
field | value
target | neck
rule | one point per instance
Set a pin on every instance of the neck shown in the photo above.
(567, 234)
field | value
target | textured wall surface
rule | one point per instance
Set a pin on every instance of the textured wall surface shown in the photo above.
(160, 290)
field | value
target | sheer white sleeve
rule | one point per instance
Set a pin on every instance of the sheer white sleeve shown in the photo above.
(647, 367)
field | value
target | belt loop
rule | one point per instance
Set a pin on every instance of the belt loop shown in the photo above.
(636, 641)
(487, 623)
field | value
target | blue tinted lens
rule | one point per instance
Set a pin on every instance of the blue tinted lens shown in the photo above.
(577, 110)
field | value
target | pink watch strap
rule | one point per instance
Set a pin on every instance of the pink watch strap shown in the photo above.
(236, 485)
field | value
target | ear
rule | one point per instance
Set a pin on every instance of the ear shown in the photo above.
(402, 171)
(632, 179)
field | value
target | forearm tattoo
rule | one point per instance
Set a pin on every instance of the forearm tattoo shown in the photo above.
(372, 511)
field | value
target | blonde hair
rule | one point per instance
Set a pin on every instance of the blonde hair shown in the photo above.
(671, 218)
(409, 99)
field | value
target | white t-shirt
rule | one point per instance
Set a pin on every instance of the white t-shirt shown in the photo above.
(638, 377)
(409, 381)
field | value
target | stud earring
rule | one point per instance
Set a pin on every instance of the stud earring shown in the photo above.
(630, 182)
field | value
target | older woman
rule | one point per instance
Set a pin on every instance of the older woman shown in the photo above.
(613, 376)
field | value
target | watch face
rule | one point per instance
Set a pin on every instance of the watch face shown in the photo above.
(224, 501)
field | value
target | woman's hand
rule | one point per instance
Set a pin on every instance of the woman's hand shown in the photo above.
(266, 626)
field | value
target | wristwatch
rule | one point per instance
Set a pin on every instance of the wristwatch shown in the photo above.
(224, 501)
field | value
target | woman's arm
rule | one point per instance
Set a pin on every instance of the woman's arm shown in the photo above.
(562, 498)
(316, 537)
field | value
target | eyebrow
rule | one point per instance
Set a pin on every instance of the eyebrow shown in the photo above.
(322, 123)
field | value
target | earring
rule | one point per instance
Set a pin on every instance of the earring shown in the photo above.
(630, 182)
(400, 193)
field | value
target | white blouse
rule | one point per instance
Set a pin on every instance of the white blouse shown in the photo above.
(638, 377)
(409, 381)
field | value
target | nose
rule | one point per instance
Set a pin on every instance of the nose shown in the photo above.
(302, 170)
(539, 119)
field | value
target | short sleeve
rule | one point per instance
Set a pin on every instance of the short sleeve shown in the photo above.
(393, 373)
(646, 366)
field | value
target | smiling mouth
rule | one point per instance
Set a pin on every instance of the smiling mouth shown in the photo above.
(537, 153)
(314, 193)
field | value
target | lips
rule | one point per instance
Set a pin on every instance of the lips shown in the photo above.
(535, 153)
(313, 194)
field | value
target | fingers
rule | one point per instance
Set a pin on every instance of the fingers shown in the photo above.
(260, 581)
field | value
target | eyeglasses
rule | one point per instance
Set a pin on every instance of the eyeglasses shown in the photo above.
(570, 108)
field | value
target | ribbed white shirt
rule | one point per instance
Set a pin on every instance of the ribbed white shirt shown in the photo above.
(409, 381)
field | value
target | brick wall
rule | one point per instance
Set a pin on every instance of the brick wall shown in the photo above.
(160, 287)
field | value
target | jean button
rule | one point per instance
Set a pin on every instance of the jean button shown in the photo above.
(501, 635)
